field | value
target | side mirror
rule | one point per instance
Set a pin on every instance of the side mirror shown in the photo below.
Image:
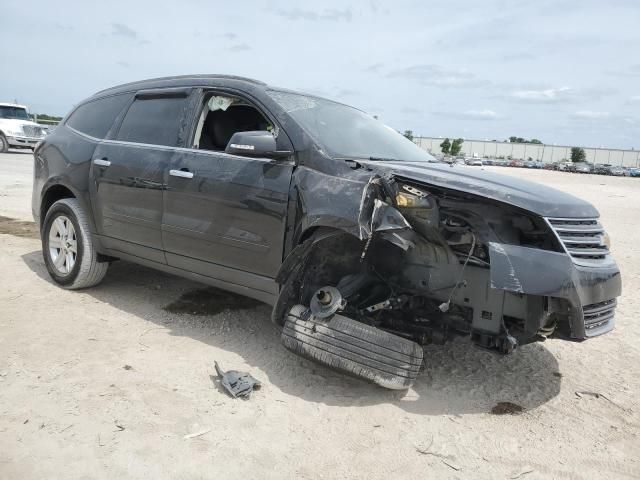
(257, 143)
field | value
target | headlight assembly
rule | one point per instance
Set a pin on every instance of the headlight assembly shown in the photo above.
(412, 197)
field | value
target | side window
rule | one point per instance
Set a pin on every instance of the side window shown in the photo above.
(221, 117)
(153, 120)
(95, 118)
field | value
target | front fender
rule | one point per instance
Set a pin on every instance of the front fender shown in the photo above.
(326, 200)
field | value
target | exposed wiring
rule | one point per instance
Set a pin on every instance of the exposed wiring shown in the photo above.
(444, 307)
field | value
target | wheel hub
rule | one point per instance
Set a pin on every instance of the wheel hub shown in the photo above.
(63, 245)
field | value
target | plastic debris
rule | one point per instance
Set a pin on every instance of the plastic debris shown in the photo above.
(196, 434)
(238, 384)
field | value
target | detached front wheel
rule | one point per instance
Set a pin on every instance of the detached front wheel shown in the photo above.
(69, 253)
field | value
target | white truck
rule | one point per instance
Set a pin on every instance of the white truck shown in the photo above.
(16, 128)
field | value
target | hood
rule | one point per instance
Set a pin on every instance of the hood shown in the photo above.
(531, 196)
(14, 122)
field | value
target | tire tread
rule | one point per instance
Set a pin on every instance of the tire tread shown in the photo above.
(91, 272)
(354, 348)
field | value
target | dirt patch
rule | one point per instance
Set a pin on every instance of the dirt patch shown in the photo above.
(506, 408)
(209, 301)
(18, 228)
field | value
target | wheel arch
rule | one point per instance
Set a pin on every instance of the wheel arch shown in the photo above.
(51, 195)
(57, 189)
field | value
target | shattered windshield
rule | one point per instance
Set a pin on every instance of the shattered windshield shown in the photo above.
(344, 131)
(14, 113)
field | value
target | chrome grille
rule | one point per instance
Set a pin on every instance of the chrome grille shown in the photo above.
(598, 317)
(33, 132)
(582, 238)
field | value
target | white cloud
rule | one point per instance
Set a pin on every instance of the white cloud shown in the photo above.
(330, 14)
(590, 115)
(241, 47)
(123, 30)
(482, 114)
(438, 76)
(471, 115)
(549, 95)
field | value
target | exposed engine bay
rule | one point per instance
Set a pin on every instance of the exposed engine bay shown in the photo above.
(434, 282)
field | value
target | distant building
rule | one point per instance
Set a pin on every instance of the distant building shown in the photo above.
(543, 153)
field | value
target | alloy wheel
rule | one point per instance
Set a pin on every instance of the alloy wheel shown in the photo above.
(63, 245)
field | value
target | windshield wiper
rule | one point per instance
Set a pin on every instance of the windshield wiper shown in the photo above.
(382, 159)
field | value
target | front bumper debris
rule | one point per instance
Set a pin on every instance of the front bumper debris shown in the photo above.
(590, 291)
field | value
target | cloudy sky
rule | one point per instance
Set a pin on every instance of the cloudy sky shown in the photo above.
(563, 71)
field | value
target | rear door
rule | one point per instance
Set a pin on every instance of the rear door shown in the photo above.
(225, 215)
(130, 173)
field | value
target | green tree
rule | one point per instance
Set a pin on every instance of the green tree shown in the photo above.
(524, 140)
(456, 146)
(408, 134)
(578, 155)
(445, 146)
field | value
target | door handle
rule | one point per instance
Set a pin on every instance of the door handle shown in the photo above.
(181, 173)
(102, 162)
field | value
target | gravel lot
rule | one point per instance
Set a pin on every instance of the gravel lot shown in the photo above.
(106, 383)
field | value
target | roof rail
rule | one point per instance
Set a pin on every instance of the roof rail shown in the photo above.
(183, 77)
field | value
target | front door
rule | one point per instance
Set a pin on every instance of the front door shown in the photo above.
(225, 215)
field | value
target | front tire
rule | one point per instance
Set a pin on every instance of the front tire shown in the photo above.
(69, 254)
(4, 145)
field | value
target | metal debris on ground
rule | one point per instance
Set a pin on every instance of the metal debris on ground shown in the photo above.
(582, 394)
(238, 384)
(196, 434)
(524, 471)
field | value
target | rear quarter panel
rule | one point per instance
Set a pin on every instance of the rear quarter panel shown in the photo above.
(64, 158)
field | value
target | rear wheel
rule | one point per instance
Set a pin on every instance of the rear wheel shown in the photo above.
(4, 145)
(69, 254)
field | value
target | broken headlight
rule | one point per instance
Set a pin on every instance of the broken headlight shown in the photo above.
(412, 197)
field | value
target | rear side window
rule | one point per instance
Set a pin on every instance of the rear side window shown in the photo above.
(153, 120)
(95, 118)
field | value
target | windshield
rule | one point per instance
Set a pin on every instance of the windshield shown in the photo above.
(344, 131)
(16, 113)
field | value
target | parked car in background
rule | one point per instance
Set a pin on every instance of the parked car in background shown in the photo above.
(476, 163)
(366, 250)
(584, 168)
(617, 171)
(634, 172)
(602, 169)
(564, 166)
(16, 128)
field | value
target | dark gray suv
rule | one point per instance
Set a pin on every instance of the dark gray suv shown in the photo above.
(365, 245)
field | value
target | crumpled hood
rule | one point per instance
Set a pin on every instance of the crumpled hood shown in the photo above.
(531, 196)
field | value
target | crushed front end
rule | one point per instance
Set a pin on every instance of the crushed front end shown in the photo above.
(428, 263)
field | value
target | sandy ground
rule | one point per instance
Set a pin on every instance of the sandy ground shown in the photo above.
(106, 383)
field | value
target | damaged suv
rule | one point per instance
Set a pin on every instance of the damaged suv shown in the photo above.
(365, 246)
